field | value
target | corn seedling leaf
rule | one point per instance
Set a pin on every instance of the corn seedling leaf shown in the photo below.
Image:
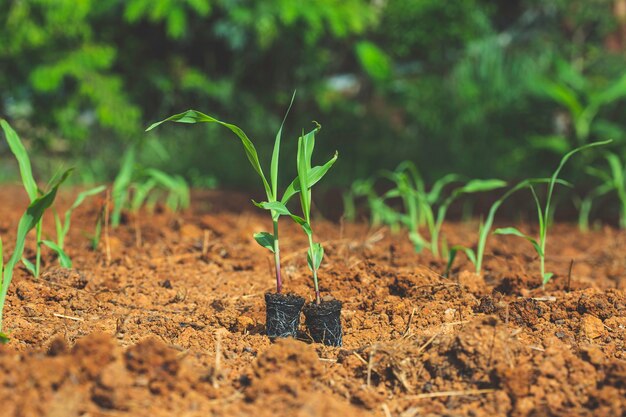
(546, 277)
(275, 206)
(121, 185)
(315, 174)
(266, 240)
(315, 255)
(193, 116)
(64, 259)
(276, 152)
(30, 267)
(65, 228)
(515, 232)
(4, 338)
(26, 172)
(28, 221)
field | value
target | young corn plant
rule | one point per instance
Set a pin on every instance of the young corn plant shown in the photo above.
(543, 214)
(29, 220)
(135, 187)
(315, 253)
(476, 256)
(612, 181)
(33, 191)
(274, 204)
(63, 226)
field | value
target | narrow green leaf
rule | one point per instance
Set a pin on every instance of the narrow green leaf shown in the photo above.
(65, 228)
(193, 116)
(276, 152)
(30, 185)
(303, 223)
(315, 174)
(266, 240)
(4, 338)
(30, 267)
(275, 206)
(513, 231)
(477, 186)
(546, 277)
(64, 259)
(315, 255)
(121, 184)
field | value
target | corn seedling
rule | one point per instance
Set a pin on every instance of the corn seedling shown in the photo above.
(420, 205)
(612, 181)
(275, 205)
(135, 187)
(315, 254)
(29, 220)
(63, 226)
(484, 229)
(543, 214)
(33, 191)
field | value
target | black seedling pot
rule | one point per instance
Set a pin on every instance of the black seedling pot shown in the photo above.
(282, 314)
(323, 322)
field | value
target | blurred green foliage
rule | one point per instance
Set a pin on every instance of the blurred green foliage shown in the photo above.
(476, 87)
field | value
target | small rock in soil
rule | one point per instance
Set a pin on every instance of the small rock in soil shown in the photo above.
(591, 326)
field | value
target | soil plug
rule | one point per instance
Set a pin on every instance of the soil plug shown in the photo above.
(282, 313)
(323, 322)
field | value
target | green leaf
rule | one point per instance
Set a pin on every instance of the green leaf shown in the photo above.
(30, 185)
(266, 240)
(478, 186)
(315, 255)
(4, 338)
(315, 175)
(30, 267)
(513, 231)
(546, 277)
(275, 206)
(64, 259)
(276, 152)
(303, 223)
(64, 230)
(193, 116)
(121, 184)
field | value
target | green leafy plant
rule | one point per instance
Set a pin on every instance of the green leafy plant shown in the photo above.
(29, 220)
(583, 100)
(33, 191)
(63, 226)
(315, 253)
(543, 214)
(135, 187)
(275, 205)
(420, 205)
(612, 181)
(476, 256)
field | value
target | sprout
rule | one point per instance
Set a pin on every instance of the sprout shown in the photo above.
(543, 214)
(30, 219)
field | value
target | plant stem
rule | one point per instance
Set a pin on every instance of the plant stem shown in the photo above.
(318, 299)
(38, 255)
(279, 281)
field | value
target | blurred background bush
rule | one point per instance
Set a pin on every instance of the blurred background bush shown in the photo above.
(481, 88)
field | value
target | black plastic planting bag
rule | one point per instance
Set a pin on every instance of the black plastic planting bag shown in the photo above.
(323, 322)
(282, 314)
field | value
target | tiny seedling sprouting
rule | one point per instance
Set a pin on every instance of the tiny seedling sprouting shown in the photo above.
(544, 213)
(63, 226)
(612, 181)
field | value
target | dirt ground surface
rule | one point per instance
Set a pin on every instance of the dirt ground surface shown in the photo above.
(169, 321)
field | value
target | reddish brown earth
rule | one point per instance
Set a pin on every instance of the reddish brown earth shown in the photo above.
(163, 329)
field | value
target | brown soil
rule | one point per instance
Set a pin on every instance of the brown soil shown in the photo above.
(167, 330)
